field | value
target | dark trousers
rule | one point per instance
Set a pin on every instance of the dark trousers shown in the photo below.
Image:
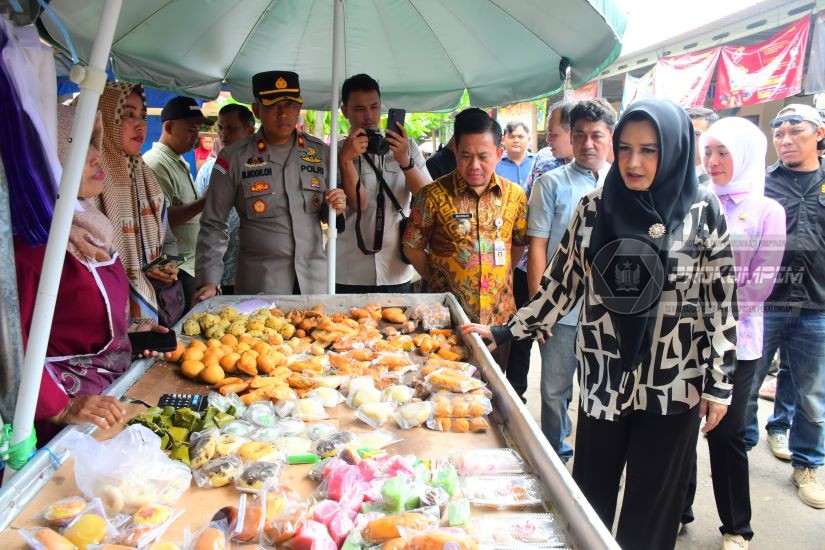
(188, 283)
(518, 363)
(729, 460)
(657, 450)
(403, 288)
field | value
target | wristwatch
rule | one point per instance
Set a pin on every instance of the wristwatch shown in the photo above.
(410, 166)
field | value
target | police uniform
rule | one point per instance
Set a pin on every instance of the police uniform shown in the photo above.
(279, 200)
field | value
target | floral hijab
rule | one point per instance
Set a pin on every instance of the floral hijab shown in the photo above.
(132, 200)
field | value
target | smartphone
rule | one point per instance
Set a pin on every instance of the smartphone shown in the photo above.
(393, 116)
(162, 261)
(153, 341)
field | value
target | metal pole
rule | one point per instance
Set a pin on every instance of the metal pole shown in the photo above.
(11, 340)
(332, 231)
(92, 83)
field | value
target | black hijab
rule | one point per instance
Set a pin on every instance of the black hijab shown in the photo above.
(627, 252)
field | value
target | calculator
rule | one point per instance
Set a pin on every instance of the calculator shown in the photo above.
(197, 403)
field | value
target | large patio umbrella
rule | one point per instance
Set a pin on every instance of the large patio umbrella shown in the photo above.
(424, 53)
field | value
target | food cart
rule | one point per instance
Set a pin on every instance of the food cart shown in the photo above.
(50, 476)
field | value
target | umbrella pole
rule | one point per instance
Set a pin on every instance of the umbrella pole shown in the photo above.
(92, 80)
(332, 231)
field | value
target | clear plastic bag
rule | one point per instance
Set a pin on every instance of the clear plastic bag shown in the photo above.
(461, 405)
(488, 461)
(261, 413)
(147, 524)
(256, 475)
(127, 471)
(505, 531)
(62, 512)
(432, 316)
(219, 472)
(410, 415)
(375, 414)
(328, 397)
(309, 409)
(507, 491)
(478, 424)
(398, 393)
(452, 380)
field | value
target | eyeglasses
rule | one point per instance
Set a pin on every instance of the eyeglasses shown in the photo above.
(790, 119)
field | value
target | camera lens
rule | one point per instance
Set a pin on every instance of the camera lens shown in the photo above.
(376, 144)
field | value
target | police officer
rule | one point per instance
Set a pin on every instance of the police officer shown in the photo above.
(276, 180)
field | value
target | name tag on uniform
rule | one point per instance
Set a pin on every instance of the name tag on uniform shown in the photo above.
(463, 216)
(499, 252)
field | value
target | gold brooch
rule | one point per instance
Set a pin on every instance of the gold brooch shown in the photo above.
(743, 216)
(656, 231)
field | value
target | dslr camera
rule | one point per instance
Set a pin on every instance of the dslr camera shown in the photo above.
(376, 144)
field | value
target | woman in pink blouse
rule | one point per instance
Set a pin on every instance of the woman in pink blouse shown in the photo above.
(733, 153)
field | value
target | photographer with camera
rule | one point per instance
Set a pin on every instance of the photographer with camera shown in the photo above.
(379, 175)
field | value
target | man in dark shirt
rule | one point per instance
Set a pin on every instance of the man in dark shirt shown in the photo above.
(443, 161)
(795, 311)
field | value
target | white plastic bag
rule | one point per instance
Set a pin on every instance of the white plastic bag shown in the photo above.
(127, 471)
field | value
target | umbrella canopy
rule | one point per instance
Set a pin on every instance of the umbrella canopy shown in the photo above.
(424, 53)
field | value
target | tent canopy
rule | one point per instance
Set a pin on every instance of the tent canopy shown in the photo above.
(424, 53)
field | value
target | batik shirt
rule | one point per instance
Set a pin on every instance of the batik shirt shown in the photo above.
(694, 339)
(459, 227)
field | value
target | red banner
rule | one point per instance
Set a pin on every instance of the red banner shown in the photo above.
(685, 79)
(591, 90)
(763, 72)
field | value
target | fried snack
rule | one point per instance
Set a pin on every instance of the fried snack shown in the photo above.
(386, 528)
(86, 530)
(221, 471)
(258, 473)
(52, 540)
(203, 448)
(393, 315)
(437, 540)
(229, 444)
(152, 515)
(236, 388)
(453, 381)
(64, 511)
(479, 424)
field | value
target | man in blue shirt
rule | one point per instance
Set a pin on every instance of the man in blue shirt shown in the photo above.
(517, 160)
(553, 202)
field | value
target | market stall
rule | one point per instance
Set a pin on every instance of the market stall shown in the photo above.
(510, 426)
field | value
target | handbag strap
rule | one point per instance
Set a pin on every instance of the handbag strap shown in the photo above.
(378, 234)
(385, 187)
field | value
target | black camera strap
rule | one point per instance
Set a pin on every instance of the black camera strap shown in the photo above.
(383, 188)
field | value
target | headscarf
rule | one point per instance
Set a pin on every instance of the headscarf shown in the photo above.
(90, 237)
(632, 218)
(747, 146)
(139, 232)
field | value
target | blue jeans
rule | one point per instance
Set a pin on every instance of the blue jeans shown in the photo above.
(558, 366)
(800, 385)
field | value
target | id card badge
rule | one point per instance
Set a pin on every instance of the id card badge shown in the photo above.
(499, 252)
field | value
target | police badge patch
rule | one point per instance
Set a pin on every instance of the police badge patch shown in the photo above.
(259, 206)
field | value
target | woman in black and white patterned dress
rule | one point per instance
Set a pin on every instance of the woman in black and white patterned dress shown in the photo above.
(649, 254)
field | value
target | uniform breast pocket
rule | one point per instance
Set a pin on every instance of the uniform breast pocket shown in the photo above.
(313, 184)
(260, 197)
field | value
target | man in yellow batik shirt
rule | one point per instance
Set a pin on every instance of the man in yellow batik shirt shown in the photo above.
(466, 227)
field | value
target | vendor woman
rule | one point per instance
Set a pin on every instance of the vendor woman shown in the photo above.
(88, 345)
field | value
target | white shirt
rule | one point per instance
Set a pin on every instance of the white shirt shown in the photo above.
(385, 267)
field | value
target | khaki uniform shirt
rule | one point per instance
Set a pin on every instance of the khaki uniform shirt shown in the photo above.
(176, 181)
(280, 206)
(384, 267)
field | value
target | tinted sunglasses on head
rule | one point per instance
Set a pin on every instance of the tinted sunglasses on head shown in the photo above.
(790, 119)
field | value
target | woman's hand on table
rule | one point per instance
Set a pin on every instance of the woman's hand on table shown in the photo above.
(482, 330)
(154, 327)
(712, 412)
(102, 411)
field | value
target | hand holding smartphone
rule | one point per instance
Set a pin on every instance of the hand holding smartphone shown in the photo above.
(393, 116)
(163, 261)
(153, 341)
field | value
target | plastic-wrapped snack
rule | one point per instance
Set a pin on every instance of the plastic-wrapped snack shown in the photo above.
(203, 446)
(229, 403)
(415, 414)
(293, 445)
(62, 512)
(260, 451)
(398, 393)
(445, 476)
(432, 316)
(375, 414)
(219, 472)
(292, 426)
(256, 474)
(90, 527)
(388, 527)
(211, 537)
(435, 362)
(452, 538)
(452, 380)
(239, 427)
(375, 439)
(488, 461)
(458, 425)
(309, 409)
(332, 444)
(333, 381)
(461, 405)
(394, 361)
(251, 518)
(285, 407)
(328, 397)
(520, 530)
(147, 524)
(458, 513)
(228, 444)
(505, 491)
(433, 496)
(46, 538)
(261, 413)
(320, 430)
(363, 394)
